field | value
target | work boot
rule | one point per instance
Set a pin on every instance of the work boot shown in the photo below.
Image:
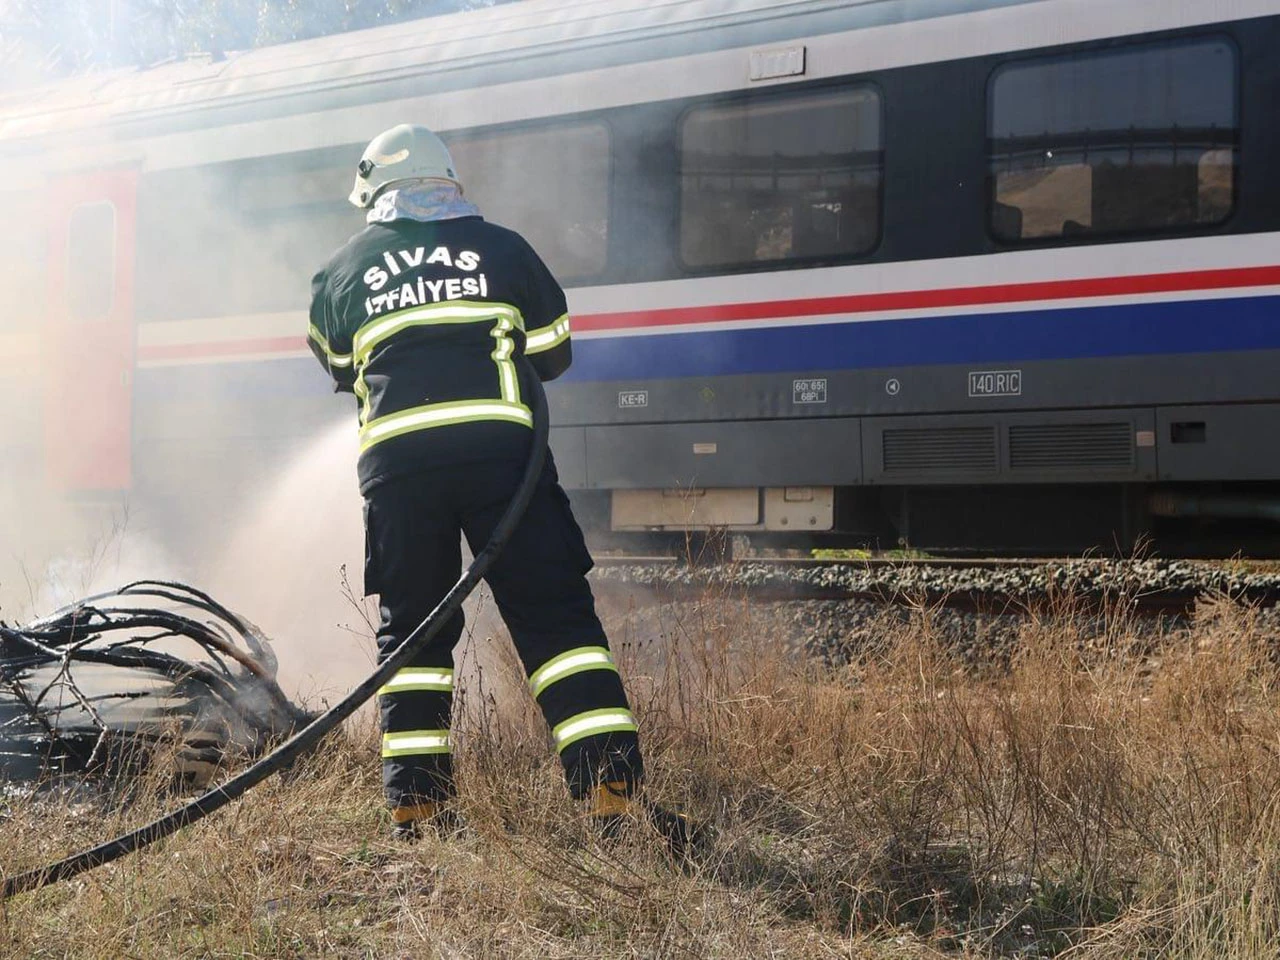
(409, 824)
(612, 808)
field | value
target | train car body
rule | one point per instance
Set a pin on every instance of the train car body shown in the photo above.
(945, 273)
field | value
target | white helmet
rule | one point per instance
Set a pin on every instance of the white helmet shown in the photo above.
(405, 152)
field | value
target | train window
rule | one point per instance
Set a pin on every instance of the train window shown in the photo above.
(312, 184)
(786, 178)
(1141, 139)
(549, 183)
(91, 261)
(243, 236)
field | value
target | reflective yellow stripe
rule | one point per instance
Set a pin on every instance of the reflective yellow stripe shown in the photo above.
(441, 415)
(591, 723)
(544, 338)
(569, 663)
(502, 352)
(504, 317)
(335, 359)
(361, 390)
(379, 329)
(414, 743)
(418, 678)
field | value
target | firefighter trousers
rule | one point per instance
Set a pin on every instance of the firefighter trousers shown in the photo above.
(413, 557)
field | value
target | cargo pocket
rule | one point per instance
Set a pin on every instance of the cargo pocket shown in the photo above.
(371, 585)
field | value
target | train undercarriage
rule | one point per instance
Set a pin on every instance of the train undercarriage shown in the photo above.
(1219, 520)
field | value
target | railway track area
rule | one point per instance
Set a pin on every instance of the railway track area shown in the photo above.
(1002, 586)
(980, 610)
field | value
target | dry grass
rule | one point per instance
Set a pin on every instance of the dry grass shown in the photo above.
(1079, 802)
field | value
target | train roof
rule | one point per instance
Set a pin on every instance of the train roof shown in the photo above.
(474, 48)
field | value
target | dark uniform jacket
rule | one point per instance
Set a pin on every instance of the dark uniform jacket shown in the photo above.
(424, 323)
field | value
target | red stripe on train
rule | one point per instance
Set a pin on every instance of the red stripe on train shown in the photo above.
(822, 306)
(926, 299)
(222, 348)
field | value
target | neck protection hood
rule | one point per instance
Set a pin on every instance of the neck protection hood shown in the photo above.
(424, 200)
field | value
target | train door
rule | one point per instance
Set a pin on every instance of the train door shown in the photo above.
(89, 334)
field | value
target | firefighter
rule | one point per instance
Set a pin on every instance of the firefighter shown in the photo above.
(424, 315)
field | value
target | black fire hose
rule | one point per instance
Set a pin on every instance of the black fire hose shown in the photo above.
(307, 738)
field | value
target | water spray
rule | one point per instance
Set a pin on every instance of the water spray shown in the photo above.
(309, 736)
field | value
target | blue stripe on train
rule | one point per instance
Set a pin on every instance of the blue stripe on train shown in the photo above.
(1206, 326)
(1246, 323)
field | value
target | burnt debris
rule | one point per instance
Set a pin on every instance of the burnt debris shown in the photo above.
(102, 685)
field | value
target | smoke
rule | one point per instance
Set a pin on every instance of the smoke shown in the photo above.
(55, 551)
(48, 38)
(243, 475)
(293, 564)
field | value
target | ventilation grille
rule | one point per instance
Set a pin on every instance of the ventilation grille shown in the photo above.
(1071, 446)
(939, 450)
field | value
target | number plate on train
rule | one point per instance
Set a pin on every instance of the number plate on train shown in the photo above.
(995, 383)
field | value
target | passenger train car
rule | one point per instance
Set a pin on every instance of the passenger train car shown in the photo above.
(982, 274)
